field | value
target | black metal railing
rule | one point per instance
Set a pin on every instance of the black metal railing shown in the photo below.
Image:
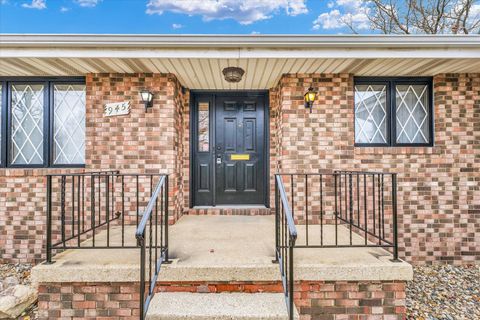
(110, 210)
(94, 210)
(369, 208)
(333, 210)
(285, 236)
(152, 234)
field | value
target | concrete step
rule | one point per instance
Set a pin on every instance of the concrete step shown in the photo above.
(218, 306)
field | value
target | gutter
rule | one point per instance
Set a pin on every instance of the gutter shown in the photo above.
(143, 41)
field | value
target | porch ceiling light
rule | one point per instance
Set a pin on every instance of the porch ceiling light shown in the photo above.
(147, 99)
(233, 74)
(309, 97)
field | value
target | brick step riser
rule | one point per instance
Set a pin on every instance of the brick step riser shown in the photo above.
(230, 212)
(219, 287)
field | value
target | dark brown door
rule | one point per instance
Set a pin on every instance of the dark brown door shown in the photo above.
(229, 152)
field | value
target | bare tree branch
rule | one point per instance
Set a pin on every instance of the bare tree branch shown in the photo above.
(421, 16)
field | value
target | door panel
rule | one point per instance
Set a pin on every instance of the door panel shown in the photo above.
(250, 177)
(239, 144)
(204, 177)
(230, 134)
(230, 175)
(230, 161)
(249, 132)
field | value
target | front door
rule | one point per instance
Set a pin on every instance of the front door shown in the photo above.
(229, 143)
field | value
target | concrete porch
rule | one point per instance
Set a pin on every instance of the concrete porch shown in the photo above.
(230, 258)
(226, 248)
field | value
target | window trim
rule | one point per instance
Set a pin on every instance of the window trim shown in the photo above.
(391, 83)
(48, 120)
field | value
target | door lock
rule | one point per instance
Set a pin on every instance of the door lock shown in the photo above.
(219, 160)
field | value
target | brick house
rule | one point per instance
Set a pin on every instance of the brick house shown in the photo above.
(384, 161)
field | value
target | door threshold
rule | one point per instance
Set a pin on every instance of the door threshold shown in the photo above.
(235, 206)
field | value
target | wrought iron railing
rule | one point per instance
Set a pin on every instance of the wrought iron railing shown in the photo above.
(152, 234)
(100, 210)
(333, 210)
(86, 210)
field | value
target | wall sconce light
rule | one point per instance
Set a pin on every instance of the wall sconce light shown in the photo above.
(310, 98)
(147, 99)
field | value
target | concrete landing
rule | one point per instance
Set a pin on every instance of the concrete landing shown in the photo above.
(218, 306)
(226, 248)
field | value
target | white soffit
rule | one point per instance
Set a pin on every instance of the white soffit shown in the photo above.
(198, 60)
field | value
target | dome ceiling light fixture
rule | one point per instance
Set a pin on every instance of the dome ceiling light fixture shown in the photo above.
(233, 74)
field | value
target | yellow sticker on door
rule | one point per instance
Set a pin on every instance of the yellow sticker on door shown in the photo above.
(240, 157)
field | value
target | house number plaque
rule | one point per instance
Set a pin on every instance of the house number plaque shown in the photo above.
(116, 109)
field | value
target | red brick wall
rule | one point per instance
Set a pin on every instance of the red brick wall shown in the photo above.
(142, 142)
(327, 300)
(186, 150)
(275, 140)
(313, 299)
(22, 214)
(438, 187)
(80, 300)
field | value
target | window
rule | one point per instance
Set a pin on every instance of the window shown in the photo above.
(393, 112)
(203, 127)
(43, 123)
(26, 114)
(371, 113)
(69, 124)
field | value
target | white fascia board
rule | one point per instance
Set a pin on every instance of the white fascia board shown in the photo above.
(238, 41)
(204, 53)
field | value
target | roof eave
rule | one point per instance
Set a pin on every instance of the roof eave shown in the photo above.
(238, 41)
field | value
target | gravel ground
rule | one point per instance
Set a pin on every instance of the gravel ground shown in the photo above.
(22, 273)
(444, 292)
(18, 270)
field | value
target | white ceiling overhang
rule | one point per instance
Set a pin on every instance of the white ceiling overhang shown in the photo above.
(198, 60)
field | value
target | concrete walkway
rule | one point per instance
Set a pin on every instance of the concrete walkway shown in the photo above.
(226, 248)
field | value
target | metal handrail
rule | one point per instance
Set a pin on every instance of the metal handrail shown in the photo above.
(284, 248)
(140, 231)
(288, 211)
(356, 199)
(150, 218)
(89, 202)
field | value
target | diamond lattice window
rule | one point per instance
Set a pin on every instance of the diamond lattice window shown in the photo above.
(46, 122)
(370, 114)
(27, 110)
(69, 124)
(412, 114)
(393, 112)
